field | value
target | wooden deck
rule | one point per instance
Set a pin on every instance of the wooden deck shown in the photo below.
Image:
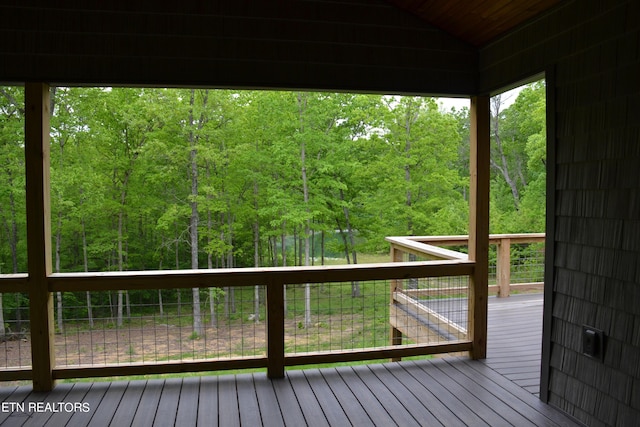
(514, 343)
(443, 391)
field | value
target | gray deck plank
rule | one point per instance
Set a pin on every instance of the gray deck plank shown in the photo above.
(519, 393)
(148, 404)
(454, 401)
(267, 401)
(470, 398)
(208, 402)
(443, 413)
(58, 395)
(481, 387)
(289, 406)
(350, 405)
(402, 394)
(330, 405)
(366, 398)
(78, 393)
(382, 394)
(189, 399)
(228, 412)
(14, 396)
(93, 398)
(168, 404)
(126, 410)
(248, 401)
(313, 414)
(103, 414)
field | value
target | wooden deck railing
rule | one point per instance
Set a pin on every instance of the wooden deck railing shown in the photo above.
(274, 280)
(440, 263)
(431, 247)
(413, 315)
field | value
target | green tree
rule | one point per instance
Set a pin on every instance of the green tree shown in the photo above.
(518, 161)
(12, 186)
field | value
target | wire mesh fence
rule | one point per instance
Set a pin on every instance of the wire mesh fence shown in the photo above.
(15, 348)
(526, 261)
(124, 327)
(431, 310)
(338, 316)
(109, 328)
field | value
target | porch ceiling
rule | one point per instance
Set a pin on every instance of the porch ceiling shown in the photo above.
(476, 22)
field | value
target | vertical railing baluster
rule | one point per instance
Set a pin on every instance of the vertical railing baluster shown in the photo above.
(396, 284)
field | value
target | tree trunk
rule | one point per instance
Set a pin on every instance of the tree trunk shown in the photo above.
(194, 219)
(85, 260)
(57, 262)
(302, 104)
(177, 254)
(503, 165)
(351, 245)
(120, 264)
(2, 328)
(213, 322)
(256, 253)
(284, 262)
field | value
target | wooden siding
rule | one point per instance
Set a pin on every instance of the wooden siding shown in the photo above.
(593, 49)
(317, 44)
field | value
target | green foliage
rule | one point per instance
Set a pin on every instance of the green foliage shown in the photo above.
(522, 133)
(375, 166)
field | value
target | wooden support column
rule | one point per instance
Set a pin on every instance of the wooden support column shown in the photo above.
(275, 330)
(395, 336)
(39, 234)
(503, 268)
(479, 159)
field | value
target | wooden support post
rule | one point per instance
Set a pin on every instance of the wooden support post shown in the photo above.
(479, 158)
(395, 335)
(503, 268)
(275, 330)
(39, 234)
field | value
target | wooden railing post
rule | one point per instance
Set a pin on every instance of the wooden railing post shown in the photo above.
(275, 330)
(479, 158)
(503, 267)
(39, 234)
(395, 335)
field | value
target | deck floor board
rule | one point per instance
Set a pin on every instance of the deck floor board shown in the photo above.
(394, 407)
(228, 408)
(367, 399)
(208, 402)
(147, 406)
(350, 404)
(449, 391)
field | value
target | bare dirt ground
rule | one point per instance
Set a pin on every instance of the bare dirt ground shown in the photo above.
(146, 342)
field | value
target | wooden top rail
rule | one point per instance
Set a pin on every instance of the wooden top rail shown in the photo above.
(13, 282)
(174, 279)
(463, 240)
(419, 248)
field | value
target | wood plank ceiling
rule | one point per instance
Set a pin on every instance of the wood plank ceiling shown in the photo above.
(476, 22)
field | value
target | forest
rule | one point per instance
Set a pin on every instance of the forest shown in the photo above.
(153, 179)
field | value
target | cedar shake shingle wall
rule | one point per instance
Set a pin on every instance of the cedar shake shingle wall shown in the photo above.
(594, 48)
(317, 44)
